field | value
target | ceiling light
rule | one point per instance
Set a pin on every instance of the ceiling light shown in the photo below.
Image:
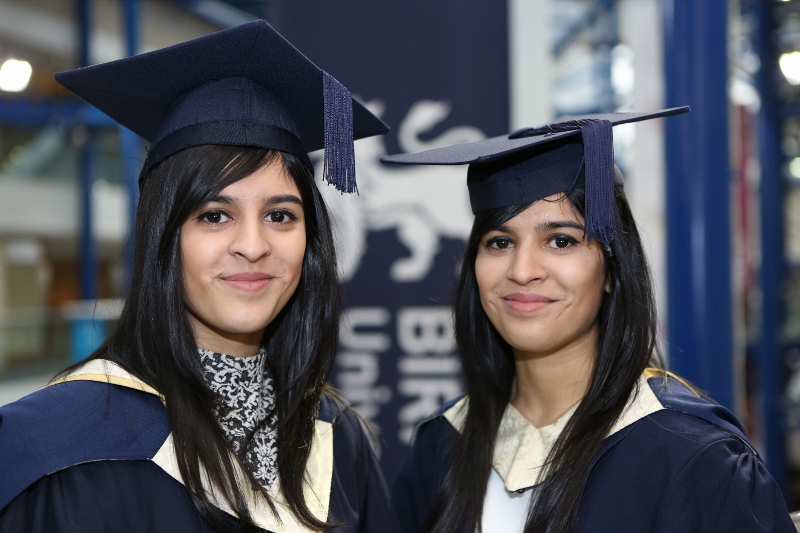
(794, 167)
(790, 66)
(15, 75)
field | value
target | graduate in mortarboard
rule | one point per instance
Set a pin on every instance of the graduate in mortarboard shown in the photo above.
(570, 422)
(207, 409)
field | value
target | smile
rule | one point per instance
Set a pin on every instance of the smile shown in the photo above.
(247, 281)
(527, 303)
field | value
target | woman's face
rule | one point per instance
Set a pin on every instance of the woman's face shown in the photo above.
(541, 283)
(242, 255)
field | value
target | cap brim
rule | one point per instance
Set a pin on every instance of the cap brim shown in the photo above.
(498, 147)
(137, 91)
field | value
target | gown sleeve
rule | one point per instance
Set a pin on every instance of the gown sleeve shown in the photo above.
(359, 496)
(422, 474)
(725, 487)
(119, 496)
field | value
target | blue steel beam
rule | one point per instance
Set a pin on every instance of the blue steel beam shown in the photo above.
(772, 271)
(130, 143)
(22, 111)
(88, 252)
(699, 312)
(217, 12)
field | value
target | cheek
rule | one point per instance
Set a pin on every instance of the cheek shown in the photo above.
(199, 257)
(294, 251)
(486, 277)
(592, 288)
(486, 272)
(190, 258)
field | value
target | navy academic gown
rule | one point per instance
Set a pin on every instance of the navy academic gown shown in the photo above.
(82, 456)
(687, 467)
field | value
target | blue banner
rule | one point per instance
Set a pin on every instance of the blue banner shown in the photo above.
(437, 73)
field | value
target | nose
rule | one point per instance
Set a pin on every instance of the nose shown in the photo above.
(526, 265)
(250, 239)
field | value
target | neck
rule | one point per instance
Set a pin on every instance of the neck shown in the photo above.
(246, 344)
(546, 385)
(236, 348)
(237, 345)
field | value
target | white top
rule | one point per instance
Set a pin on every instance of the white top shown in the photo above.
(521, 451)
(502, 510)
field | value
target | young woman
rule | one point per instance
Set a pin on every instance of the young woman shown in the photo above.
(207, 409)
(566, 427)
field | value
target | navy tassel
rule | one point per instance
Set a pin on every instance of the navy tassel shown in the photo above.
(598, 156)
(340, 160)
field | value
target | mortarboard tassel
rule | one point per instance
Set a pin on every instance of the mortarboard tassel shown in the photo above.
(598, 156)
(340, 161)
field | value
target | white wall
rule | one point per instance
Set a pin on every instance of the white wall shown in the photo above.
(640, 28)
(51, 210)
(530, 66)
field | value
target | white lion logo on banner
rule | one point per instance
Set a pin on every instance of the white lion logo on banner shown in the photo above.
(423, 203)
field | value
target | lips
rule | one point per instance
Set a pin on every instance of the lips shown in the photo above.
(249, 281)
(526, 303)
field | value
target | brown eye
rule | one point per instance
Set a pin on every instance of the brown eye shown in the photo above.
(214, 217)
(561, 241)
(499, 243)
(280, 217)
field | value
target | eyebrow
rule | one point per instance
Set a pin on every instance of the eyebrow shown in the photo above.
(283, 198)
(270, 200)
(545, 226)
(558, 224)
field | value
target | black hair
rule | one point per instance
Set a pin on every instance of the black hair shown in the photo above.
(154, 338)
(626, 345)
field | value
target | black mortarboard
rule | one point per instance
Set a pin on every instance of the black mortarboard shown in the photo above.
(245, 86)
(533, 163)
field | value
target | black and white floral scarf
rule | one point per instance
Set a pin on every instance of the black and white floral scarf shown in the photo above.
(247, 391)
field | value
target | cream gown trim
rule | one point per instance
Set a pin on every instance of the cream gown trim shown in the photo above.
(521, 448)
(319, 468)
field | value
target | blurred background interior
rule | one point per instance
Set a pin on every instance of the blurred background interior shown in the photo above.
(717, 192)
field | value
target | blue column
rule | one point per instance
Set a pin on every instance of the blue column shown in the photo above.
(130, 143)
(772, 272)
(87, 333)
(88, 252)
(699, 315)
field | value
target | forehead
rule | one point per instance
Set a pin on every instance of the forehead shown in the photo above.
(553, 209)
(269, 180)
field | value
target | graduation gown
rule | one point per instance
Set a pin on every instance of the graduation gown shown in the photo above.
(674, 462)
(94, 452)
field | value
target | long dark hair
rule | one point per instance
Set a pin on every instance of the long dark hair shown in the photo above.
(626, 345)
(154, 338)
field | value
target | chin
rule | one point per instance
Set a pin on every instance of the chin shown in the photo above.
(530, 347)
(243, 321)
(528, 342)
(244, 327)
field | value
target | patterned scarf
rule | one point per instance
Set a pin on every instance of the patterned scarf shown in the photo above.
(246, 388)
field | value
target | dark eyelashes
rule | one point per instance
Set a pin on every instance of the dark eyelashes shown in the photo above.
(568, 238)
(496, 241)
(492, 241)
(284, 212)
(205, 214)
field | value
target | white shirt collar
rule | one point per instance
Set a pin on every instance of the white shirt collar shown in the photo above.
(521, 448)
